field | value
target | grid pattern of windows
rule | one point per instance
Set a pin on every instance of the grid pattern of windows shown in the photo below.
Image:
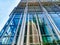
(8, 32)
(28, 24)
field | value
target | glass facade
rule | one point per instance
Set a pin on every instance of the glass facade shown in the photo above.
(29, 24)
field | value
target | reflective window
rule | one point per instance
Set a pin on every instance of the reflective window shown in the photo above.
(56, 20)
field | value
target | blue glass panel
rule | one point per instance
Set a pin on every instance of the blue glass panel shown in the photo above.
(4, 40)
(10, 40)
(41, 16)
(50, 39)
(56, 20)
(30, 17)
(17, 16)
(27, 18)
(15, 21)
(54, 8)
(54, 15)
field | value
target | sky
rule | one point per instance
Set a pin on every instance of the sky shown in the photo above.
(6, 6)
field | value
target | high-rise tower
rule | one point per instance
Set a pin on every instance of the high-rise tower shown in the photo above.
(33, 22)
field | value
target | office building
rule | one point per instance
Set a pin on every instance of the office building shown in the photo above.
(33, 22)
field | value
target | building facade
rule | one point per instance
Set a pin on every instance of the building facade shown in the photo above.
(33, 22)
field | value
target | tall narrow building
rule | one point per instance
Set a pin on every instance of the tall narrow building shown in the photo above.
(33, 22)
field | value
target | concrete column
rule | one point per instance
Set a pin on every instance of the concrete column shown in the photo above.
(28, 32)
(39, 29)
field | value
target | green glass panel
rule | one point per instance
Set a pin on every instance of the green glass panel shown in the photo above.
(44, 39)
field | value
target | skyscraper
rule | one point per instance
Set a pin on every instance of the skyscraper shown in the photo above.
(33, 22)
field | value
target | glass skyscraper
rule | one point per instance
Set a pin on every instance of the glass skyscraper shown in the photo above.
(33, 22)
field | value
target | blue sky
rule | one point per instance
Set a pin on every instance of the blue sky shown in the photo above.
(6, 6)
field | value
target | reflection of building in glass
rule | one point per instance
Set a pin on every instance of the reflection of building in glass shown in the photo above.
(33, 22)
